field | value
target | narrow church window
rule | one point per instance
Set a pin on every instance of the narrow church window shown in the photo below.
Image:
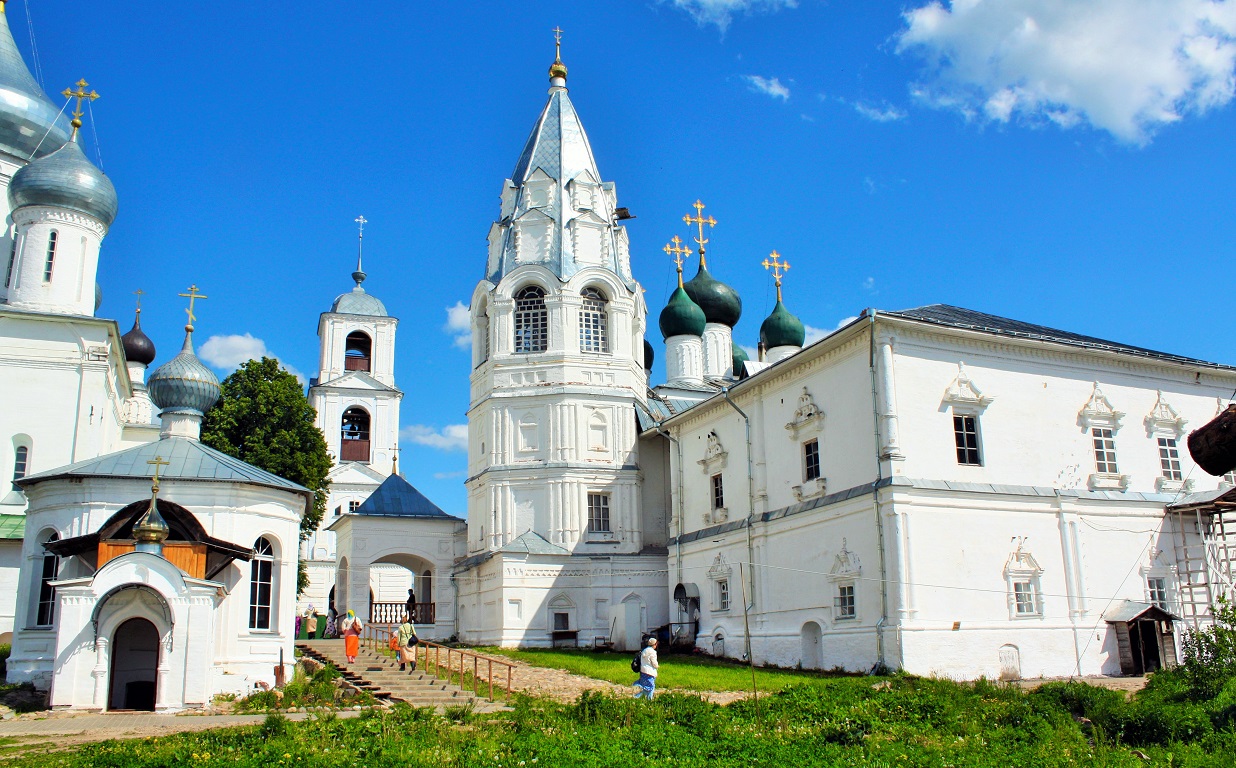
(357, 354)
(531, 320)
(723, 595)
(1169, 458)
(261, 583)
(47, 593)
(718, 492)
(1156, 590)
(593, 323)
(811, 460)
(51, 256)
(20, 461)
(355, 434)
(8, 276)
(598, 512)
(844, 606)
(1104, 450)
(965, 432)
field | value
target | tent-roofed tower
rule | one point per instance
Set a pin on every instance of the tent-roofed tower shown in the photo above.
(558, 357)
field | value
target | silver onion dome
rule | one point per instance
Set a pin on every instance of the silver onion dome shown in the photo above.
(30, 125)
(65, 179)
(184, 384)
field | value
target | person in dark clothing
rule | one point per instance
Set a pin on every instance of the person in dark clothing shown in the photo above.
(410, 606)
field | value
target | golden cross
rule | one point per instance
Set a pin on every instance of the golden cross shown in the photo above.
(192, 296)
(698, 219)
(557, 44)
(777, 267)
(80, 94)
(158, 462)
(138, 293)
(676, 251)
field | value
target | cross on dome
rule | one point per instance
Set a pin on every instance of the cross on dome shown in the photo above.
(158, 463)
(192, 296)
(699, 220)
(80, 94)
(777, 267)
(359, 274)
(677, 251)
(557, 70)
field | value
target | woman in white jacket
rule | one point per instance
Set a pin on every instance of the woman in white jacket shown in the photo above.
(648, 665)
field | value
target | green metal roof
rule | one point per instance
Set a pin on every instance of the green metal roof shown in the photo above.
(12, 526)
(189, 460)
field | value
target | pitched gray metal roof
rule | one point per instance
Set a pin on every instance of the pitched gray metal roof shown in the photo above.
(958, 317)
(396, 497)
(188, 460)
(534, 544)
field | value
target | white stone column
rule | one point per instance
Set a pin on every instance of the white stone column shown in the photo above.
(891, 447)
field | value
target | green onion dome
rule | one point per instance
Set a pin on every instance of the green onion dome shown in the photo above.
(649, 355)
(781, 329)
(184, 383)
(682, 316)
(721, 303)
(740, 357)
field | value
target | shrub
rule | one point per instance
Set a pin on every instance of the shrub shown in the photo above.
(5, 650)
(1210, 653)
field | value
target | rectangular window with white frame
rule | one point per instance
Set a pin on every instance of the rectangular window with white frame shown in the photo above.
(966, 437)
(1104, 450)
(723, 594)
(844, 605)
(1169, 459)
(718, 492)
(811, 460)
(598, 513)
(1025, 598)
(1156, 591)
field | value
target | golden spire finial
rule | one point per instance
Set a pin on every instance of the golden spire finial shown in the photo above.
(138, 293)
(779, 269)
(158, 463)
(152, 528)
(676, 251)
(699, 220)
(557, 69)
(192, 296)
(79, 94)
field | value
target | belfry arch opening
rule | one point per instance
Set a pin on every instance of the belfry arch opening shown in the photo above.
(354, 432)
(358, 352)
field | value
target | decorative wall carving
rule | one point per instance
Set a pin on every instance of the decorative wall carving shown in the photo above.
(964, 392)
(1098, 411)
(1163, 419)
(846, 565)
(715, 455)
(808, 418)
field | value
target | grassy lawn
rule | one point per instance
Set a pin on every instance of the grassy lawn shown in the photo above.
(686, 673)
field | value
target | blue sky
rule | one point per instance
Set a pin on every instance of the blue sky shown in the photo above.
(1065, 163)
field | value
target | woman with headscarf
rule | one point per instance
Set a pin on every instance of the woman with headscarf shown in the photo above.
(351, 630)
(407, 641)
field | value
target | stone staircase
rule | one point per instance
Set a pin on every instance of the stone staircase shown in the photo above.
(379, 675)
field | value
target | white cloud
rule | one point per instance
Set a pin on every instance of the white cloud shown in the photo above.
(228, 352)
(815, 334)
(449, 475)
(753, 353)
(869, 285)
(1127, 68)
(459, 325)
(722, 12)
(452, 437)
(883, 114)
(768, 86)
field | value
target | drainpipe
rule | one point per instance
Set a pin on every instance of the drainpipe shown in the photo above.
(750, 493)
(875, 496)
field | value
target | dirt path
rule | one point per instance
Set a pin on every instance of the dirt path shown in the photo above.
(565, 687)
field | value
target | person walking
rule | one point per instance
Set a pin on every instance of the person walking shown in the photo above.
(648, 666)
(407, 639)
(351, 630)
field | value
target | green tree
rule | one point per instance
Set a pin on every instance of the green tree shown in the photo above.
(264, 418)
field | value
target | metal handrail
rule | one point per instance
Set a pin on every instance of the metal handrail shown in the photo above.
(378, 637)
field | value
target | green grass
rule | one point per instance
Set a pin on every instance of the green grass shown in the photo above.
(904, 721)
(684, 673)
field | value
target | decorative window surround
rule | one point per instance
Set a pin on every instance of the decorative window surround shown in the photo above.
(1107, 481)
(965, 393)
(1098, 412)
(1022, 576)
(846, 571)
(1172, 479)
(808, 419)
(720, 574)
(1163, 419)
(1157, 572)
(810, 489)
(715, 455)
(846, 565)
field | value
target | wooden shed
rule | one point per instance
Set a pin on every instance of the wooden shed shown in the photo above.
(1144, 636)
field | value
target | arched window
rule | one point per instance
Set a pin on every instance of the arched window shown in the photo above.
(47, 593)
(8, 276)
(531, 320)
(261, 584)
(21, 461)
(482, 334)
(355, 434)
(51, 256)
(357, 352)
(593, 322)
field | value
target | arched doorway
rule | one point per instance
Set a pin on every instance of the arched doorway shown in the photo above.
(135, 664)
(812, 653)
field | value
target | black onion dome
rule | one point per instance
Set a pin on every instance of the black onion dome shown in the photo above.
(649, 355)
(138, 348)
(721, 303)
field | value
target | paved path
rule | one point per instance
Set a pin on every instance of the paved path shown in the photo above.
(127, 725)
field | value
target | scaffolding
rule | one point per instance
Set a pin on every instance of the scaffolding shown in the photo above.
(1204, 535)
